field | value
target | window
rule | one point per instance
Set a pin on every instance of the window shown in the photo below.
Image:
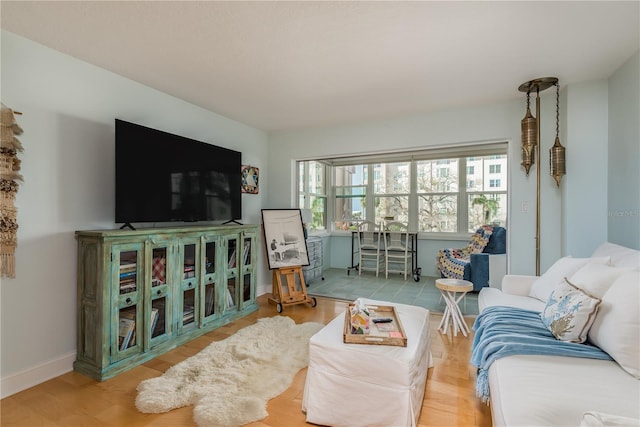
(443, 172)
(444, 191)
(312, 191)
(487, 198)
(437, 195)
(391, 188)
(350, 183)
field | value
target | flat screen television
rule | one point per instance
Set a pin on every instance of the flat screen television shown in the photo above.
(161, 177)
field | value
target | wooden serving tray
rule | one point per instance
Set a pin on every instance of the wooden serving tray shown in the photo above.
(391, 333)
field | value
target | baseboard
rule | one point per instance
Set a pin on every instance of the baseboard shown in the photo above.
(17, 382)
(263, 289)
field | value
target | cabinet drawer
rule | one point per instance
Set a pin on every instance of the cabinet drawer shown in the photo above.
(315, 253)
(313, 263)
(312, 274)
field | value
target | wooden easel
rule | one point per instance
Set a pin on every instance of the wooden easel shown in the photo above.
(295, 291)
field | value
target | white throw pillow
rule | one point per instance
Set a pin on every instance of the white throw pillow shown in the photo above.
(596, 279)
(616, 328)
(631, 260)
(621, 256)
(553, 278)
(569, 313)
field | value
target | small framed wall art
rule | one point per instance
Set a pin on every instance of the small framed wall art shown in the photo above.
(250, 179)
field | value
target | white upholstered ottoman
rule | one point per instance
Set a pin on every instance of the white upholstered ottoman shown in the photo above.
(365, 384)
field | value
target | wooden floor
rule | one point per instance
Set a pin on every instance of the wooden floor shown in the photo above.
(73, 399)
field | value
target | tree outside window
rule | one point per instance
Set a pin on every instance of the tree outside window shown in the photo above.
(437, 185)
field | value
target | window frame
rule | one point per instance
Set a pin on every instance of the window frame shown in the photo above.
(306, 195)
(461, 153)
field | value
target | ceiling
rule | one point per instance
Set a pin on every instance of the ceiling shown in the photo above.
(279, 65)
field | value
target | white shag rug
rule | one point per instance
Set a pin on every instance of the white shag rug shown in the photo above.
(231, 381)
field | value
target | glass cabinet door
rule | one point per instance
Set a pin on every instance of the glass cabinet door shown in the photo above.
(231, 276)
(210, 307)
(247, 251)
(189, 305)
(248, 259)
(127, 278)
(246, 289)
(158, 311)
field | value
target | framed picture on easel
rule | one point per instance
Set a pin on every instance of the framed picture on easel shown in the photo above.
(284, 238)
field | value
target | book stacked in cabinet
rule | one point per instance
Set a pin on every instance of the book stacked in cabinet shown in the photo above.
(144, 292)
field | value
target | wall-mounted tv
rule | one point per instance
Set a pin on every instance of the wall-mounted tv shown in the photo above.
(161, 177)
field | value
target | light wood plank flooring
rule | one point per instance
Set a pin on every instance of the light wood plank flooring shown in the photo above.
(73, 399)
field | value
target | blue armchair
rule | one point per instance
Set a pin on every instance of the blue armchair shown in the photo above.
(483, 262)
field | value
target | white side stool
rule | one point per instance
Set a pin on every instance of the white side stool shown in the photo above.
(453, 290)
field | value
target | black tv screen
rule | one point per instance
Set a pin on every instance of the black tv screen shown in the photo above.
(161, 177)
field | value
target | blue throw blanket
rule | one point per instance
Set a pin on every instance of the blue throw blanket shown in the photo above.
(507, 331)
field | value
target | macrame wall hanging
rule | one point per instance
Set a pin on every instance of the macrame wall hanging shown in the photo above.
(9, 177)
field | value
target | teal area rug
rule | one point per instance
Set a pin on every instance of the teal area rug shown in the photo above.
(338, 284)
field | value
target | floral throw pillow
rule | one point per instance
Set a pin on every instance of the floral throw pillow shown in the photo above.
(569, 313)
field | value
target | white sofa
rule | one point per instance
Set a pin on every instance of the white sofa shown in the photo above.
(540, 390)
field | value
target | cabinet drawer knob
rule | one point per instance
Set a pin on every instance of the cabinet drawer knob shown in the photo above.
(191, 284)
(159, 292)
(128, 300)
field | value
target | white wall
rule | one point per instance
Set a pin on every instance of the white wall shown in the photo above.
(585, 185)
(624, 154)
(498, 122)
(68, 166)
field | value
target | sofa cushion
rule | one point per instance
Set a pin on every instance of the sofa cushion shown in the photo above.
(535, 390)
(621, 256)
(497, 243)
(569, 313)
(596, 279)
(616, 328)
(554, 277)
(489, 297)
(600, 419)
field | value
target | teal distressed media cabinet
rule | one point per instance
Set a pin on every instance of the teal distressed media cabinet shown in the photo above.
(144, 292)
